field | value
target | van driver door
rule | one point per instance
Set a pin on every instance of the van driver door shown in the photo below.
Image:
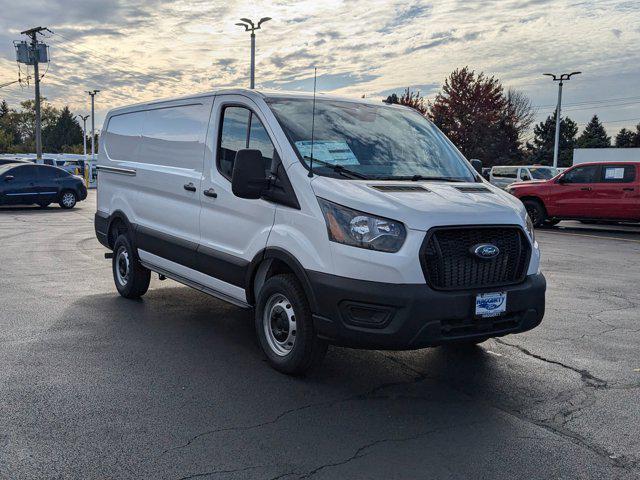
(232, 230)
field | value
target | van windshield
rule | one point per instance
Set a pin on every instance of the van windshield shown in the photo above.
(543, 173)
(358, 140)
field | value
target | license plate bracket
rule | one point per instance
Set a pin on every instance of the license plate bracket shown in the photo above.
(491, 304)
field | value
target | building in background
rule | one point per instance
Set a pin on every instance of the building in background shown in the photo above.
(584, 155)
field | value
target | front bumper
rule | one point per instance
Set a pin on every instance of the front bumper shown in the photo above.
(363, 314)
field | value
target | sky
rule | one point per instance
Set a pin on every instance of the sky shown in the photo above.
(141, 50)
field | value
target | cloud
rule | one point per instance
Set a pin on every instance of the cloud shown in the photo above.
(136, 50)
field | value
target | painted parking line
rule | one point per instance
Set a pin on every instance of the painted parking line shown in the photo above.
(591, 236)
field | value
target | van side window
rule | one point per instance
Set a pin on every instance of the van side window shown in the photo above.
(505, 172)
(242, 129)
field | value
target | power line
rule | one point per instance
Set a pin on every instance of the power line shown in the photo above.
(133, 73)
(591, 102)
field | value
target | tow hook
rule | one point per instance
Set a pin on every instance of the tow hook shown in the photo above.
(108, 255)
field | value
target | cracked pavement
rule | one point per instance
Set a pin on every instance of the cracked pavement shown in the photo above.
(174, 386)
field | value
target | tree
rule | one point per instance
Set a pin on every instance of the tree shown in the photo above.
(474, 112)
(27, 120)
(624, 138)
(62, 134)
(409, 99)
(636, 137)
(594, 135)
(9, 134)
(541, 149)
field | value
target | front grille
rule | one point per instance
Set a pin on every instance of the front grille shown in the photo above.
(448, 261)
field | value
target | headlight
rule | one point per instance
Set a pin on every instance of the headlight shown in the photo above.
(359, 229)
(529, 227)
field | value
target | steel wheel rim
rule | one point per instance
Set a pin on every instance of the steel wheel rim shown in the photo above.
(279, 324)
(67, 199)
(123, 266)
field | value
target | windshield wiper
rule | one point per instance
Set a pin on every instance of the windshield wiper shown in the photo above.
(416, 178)
(345, 172)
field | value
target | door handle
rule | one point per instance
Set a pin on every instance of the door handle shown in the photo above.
(628, 189)
(586, 189)
(189, 187)
(210, 192)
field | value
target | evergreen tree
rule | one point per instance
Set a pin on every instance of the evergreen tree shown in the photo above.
(636, 137)
(541, 149)
(594, 135)
(62, 134)
(624, 138)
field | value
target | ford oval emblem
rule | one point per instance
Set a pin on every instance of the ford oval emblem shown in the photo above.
(485, 251)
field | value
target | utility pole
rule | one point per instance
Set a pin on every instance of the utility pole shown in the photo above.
(35, 57)
(561, 79)
(92, 94)
(249, 26)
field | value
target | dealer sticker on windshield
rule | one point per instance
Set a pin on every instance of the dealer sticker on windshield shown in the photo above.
(491, 304)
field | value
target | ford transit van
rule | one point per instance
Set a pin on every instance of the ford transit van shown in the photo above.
(338, 221)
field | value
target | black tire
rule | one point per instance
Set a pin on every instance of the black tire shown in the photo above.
(68, 199)
(131, 278)
(536, 211)
(551, 222)
(284, 326)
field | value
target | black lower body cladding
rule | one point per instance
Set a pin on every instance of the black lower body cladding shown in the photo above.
(363, 314)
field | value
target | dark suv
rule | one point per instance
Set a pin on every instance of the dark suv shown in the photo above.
(24, 184)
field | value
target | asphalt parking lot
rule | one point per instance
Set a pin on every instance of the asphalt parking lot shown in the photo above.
(175, 386)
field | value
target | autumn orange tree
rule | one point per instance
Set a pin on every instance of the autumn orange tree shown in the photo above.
(480, 118)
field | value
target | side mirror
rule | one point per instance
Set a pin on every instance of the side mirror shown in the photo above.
(8, 178)
(248, 179)
(477, 165)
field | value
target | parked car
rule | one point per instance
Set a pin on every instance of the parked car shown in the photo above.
(27, 183)
(370, 231)
(589, 191)
(502, 177)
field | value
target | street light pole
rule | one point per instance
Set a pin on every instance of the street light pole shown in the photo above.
(93, 93)
(249, 26)
(560, 79)
(84, 135)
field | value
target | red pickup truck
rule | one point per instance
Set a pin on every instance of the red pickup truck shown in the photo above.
(589, 191)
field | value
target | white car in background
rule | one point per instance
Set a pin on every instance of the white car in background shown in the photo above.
(503, 176)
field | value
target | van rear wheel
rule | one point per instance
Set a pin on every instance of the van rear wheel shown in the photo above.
(284, 326)
(131, 278)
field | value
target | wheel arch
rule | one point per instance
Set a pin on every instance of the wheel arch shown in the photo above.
(273, 261)
(534, 198)
(116, 219)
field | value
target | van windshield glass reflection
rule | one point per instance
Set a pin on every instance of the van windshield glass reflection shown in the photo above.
(371, 141)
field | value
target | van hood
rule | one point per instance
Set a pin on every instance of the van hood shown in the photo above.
(428, 204)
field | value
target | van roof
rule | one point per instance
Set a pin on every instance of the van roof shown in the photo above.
(253, 94)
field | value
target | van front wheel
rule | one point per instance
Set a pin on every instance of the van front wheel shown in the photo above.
(131, 278)
(284, 326)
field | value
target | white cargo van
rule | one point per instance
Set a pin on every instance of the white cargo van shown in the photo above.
(502, 177)
(338, 221)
